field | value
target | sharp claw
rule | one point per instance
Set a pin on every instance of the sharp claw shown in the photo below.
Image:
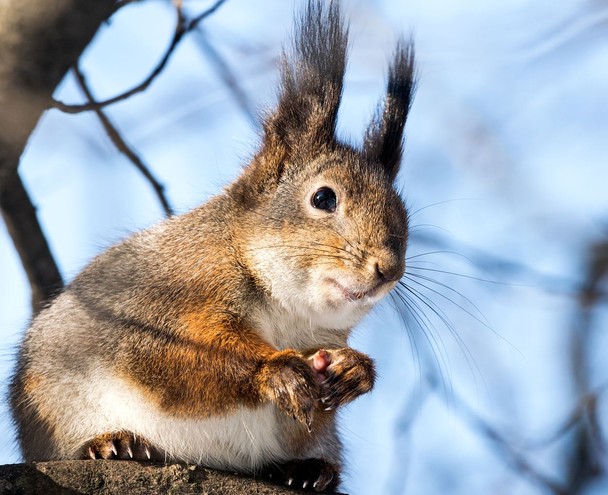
(330, 408)
(305, 484)
(324, 399)
(289, 481)
(91, 453)
(309, 425)
(322, 484)
(113, 448)
(147, 451)
(129, 451)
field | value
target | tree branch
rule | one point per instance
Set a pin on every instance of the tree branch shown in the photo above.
(182, 27)
(135, 478)
(229, 78)
(516, 460)
(19, 214)
(585, 457)
(123, 147)
(39, 42)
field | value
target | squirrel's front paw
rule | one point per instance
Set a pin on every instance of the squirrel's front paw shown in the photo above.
(120, 445)
(287, 379)
(345, 373)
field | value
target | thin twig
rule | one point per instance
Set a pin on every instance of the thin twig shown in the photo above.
(517, 460)
(587, 403)
(228, 76)
(123, 147)
(182, 27)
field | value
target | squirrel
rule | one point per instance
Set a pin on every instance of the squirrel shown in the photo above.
(219, 336)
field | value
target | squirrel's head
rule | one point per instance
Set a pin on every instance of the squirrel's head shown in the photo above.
(326, 230)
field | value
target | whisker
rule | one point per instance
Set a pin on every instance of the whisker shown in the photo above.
(438, 203)
(335, 231)
(420, 255)
(330, 249)
(421, 226)
(481, 318)
(320, 261)
(429, 303)
(435, 343)
(406, 323)
(471, 277)
(423, 314)
(358, 258)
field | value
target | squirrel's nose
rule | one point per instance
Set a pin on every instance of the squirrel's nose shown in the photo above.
(388, 271)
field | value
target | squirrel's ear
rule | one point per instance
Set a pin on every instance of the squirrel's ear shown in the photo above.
(384, 138)
(312, 73)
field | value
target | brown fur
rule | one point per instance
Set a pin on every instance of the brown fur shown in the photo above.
(188, 312)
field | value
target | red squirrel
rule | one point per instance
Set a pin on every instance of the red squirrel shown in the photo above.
(219, 337)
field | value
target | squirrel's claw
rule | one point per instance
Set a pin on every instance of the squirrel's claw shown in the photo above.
(310, 474)
(120, 445)
(349, 374)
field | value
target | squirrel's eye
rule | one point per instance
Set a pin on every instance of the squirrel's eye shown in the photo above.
(325, 199)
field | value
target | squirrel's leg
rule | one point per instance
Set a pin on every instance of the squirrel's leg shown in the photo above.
(219, 368)
(345, 375)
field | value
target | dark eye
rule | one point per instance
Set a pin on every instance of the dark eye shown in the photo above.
(325, 199)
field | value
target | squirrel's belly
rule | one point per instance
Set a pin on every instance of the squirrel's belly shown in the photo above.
(244, 440)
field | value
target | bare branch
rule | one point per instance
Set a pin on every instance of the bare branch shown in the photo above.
(585, 456)
(39, 41)
(228, 76)
(123, 147)
(512, 456)
(182, 27)
(19, 214)
(585, 407)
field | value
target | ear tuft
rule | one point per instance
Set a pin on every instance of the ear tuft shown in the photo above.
(384, 138)
(312, 73)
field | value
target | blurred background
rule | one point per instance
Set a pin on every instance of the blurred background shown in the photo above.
(492, 365)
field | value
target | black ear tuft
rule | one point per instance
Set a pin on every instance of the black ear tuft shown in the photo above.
(384, 138)
(312, 74)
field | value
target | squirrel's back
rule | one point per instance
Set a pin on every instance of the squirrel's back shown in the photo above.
(220, 336)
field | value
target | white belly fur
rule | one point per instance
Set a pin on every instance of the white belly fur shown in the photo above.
(245, 440)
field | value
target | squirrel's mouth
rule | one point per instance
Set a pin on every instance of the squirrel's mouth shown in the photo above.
(356, 294)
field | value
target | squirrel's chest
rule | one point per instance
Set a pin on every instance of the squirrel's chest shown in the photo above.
(284, 329)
